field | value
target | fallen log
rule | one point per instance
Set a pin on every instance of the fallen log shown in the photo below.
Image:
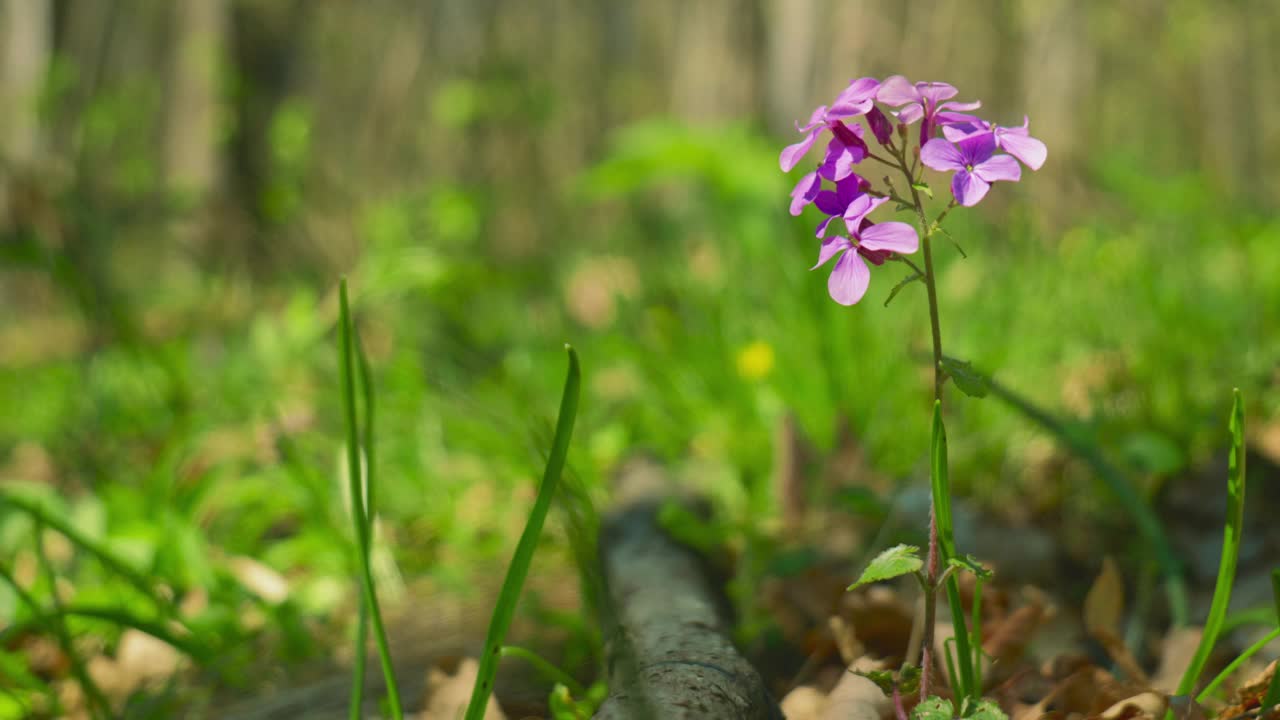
(670, 656)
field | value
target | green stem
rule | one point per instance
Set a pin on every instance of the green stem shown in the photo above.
(1235, 664)
(358, 512)
(541, 664)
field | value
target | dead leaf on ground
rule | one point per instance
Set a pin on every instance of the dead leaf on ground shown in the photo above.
(449, 693)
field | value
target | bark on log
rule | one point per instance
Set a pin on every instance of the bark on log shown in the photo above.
(670, 656)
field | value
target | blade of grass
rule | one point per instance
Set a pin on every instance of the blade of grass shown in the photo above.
(97, 703)
(1235, 664)
(939, 477)
(551, 672)
(1230, 550)
(359, 515)
(362, 626)
(1272, 698)
(1087, 450)
(518, 570)
(108, 559)
(975, 628)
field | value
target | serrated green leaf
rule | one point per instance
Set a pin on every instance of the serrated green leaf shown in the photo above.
(969, 381)
(896, 561)
(901, 284)
(924, 188)
(971, 564)
(907, 679)
(933, 708)
(987, 710)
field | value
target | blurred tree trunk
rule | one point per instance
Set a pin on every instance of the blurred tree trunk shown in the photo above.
(192, 164)
(789, 45)
(26, 39)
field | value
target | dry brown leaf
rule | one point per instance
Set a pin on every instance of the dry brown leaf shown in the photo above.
(449, 693)
(803, 703)
(1146, 705)
(1179, 647)
(1104, 605)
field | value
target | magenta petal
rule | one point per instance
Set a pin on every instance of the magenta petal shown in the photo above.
(1029, 150)
(821, 230)
(830, 247)
(960, 107)
(849, 279)
(858, 209)
(804, 192)
(818, 117)
(941, 155)
(910, 113)
(828, 201)
(895, 91)
(968, 188)
(792, 154)
(839, 161)
(999, 167)
(896, 236)
(936, 92)
(977, 148)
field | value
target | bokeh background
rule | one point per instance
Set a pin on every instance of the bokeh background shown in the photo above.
(182, 183)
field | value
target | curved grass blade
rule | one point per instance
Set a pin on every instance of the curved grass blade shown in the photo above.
(104, 556)
(504, 611)
(359, 512)
(1230, 550)
(1120, 485)
(370, 466)
(115, 617)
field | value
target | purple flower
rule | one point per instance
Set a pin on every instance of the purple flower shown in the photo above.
(875, 244)
(975, 163)
(857, 99)
(922, 100)
(835, 203)
(804, 192)
(1016, 141)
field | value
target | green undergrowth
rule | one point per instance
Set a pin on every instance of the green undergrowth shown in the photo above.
(194, 432)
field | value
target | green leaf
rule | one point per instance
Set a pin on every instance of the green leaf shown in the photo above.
(987, 710)
(969, 381)
(924, 188)
(933, 708)
(970, 563)
(901, 284)
(894, 562)
(907, 679)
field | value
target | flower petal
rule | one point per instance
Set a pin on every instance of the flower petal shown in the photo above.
(936, 92)
(896, 236)
(816, 118)
(859, 209)
(960, 106)
(855, 99)
(804, 192)
(880, 125)
(895, 91)
(968, 189)
(1029, 150)
(849, 279)
(999, 167)
(792, 154)
(821, 230)
(941, 155)
(839, 161)
(830, 202)
(975, 149)
(830, 247)
(910, 113)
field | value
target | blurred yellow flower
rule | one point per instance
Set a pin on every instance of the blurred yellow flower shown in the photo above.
(755, 360)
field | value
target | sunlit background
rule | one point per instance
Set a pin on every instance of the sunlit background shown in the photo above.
(182, 184)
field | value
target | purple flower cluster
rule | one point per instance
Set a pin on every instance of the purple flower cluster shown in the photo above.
(968, 147)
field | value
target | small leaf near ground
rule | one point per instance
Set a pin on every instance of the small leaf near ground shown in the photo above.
(971, 564)
(987, 710)
(894, 562)
(933, 708)
(966, 378)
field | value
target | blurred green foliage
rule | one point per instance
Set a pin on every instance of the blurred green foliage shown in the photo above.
(182, 410)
